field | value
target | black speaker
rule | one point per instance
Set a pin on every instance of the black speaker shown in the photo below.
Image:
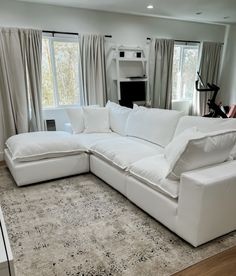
(138, 54)
(122, 54)
(50, 125)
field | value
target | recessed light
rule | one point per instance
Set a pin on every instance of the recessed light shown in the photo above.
(198, 13)
(150, 6)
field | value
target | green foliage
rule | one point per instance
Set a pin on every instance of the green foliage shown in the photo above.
(60, 59)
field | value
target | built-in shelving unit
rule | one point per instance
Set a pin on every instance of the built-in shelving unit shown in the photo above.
(131, 60)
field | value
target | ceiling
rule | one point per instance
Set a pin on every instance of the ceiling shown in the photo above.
(217, 11)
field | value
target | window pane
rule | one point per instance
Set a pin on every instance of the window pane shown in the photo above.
(190, 57)
(47, 77)
(66, 60)
(184, 71)
(176, 75)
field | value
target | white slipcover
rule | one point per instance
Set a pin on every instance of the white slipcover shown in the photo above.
(153, 124)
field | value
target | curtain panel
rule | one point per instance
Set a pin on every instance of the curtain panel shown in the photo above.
(209, 66)
(20, 80)
(93, 69)
(161, 64)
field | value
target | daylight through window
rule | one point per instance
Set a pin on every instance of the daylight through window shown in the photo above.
(60, 72)
(184, 71)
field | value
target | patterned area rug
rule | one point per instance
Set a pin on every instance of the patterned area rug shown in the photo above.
(81, 226)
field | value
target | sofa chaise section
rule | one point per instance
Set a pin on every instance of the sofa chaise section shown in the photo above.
(25, 173)
(40, 156)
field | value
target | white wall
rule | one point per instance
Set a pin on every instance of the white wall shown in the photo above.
(228, 76)
(125, 29)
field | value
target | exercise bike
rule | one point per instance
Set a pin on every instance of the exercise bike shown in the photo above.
(214, 109)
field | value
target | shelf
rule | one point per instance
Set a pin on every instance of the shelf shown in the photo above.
(132, 59)
(131, 79)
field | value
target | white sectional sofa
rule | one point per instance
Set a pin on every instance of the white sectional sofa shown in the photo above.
(197, 204)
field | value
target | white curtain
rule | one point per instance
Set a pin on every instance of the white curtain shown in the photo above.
(161, 63)
(20, 80)
(33, 55)
(93, 69)
(209, 65)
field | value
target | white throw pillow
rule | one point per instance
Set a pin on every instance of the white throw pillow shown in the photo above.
(118, 117)
(96, 120)
(175, 148)
(43, 144)
(152, 124)
(198, 150)
(76, 118)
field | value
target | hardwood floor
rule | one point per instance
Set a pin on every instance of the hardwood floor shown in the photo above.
(222, 264)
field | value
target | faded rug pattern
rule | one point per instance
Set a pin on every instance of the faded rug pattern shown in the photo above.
(81, 226)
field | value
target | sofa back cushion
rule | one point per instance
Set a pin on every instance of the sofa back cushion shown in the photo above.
(76, 118)
(118, 117)
(152, 124)
(204, 124)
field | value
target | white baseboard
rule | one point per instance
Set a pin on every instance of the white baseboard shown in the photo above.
(1, 155)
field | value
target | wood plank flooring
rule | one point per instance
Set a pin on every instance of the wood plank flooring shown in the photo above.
(222, 264)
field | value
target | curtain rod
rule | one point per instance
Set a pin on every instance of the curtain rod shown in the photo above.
(185, 41)
(178, 40)
(68, 33)
(191, 41)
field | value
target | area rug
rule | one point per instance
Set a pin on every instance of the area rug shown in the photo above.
(81, 226)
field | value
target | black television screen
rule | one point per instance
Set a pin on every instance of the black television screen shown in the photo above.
(132, 91)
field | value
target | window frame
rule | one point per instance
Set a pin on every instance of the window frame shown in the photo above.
(56, 96)
(183, 46)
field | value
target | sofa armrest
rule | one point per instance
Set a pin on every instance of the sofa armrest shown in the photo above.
(207, 203)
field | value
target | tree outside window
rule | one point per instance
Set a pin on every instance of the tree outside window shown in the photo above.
(60, 72)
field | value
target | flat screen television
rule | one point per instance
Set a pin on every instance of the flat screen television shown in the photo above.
(132, 91)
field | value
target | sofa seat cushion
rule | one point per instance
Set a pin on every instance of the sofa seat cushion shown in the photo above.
(147, 143)
(89, 139)
(34, 146)
(152, 171)
(123, 151)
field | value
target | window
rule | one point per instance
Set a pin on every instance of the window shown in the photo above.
(184, 71)
(60, 72)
